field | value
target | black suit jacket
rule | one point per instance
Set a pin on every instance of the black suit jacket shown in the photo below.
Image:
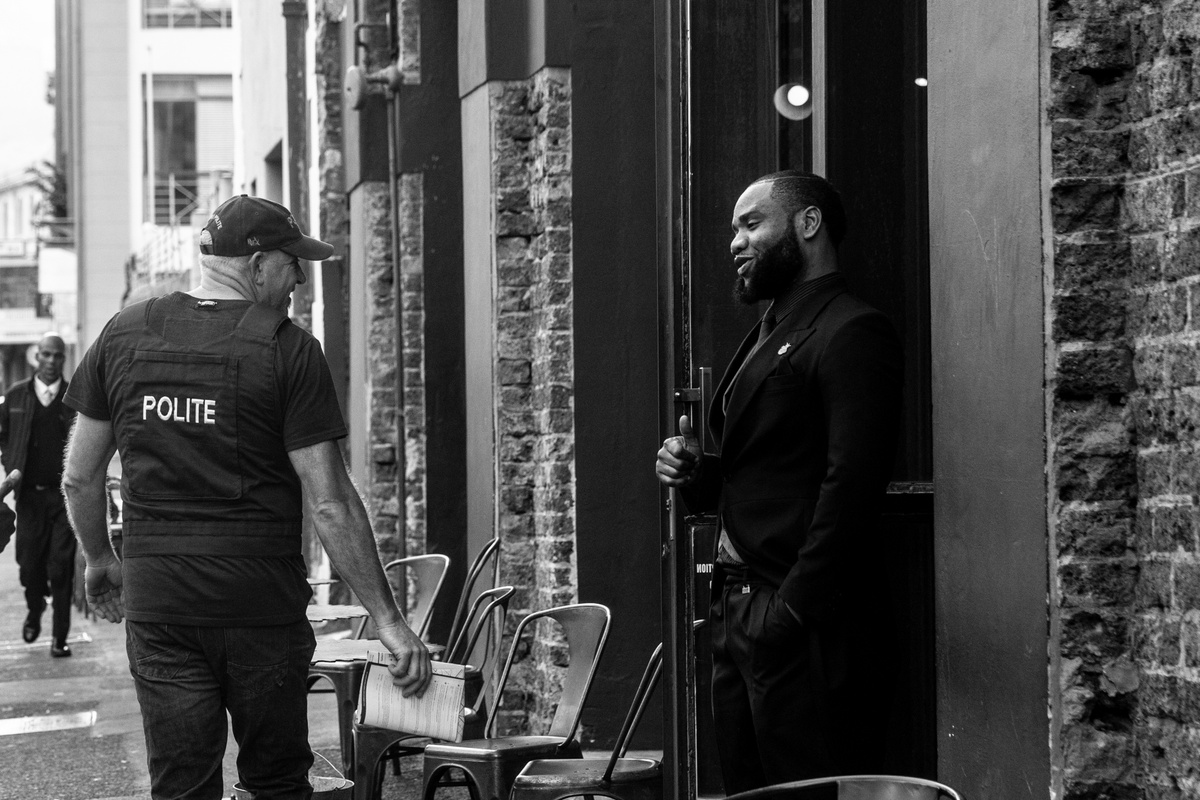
(16, 421)
(807, 445)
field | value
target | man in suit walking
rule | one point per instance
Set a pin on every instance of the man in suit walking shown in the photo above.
(34, 425)
(806, 416)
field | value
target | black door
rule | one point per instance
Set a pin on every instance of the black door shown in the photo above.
(837, 89)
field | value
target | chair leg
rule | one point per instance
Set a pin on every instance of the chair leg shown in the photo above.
(380, 776)
(345, 729)
(435, 780)
(368, 768)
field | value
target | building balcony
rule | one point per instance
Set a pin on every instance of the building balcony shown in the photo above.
(180, 197)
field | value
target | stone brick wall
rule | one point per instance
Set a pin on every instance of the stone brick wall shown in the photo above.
(334, 221)
(412, 277)
(1125, 400)
(383, 478)
(535, 370)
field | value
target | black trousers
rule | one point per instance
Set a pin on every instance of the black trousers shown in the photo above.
(784, 698)
(46, 554)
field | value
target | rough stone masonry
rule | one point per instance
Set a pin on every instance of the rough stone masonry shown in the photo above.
(534, 371)
(1124, 399)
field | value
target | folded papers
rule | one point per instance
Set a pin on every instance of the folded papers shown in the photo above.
(438, 713)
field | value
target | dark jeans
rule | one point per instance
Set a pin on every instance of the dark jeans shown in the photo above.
(46, 554)
(187, 678)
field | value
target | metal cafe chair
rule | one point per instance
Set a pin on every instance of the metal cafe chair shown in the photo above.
(480, 652)
(346, 676)
(616, 776)
(485, 558)
(490, 765)
(429, 571)
(853, 787)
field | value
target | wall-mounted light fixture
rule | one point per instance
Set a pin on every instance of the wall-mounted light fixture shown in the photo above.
(356, 81)
(794, 101)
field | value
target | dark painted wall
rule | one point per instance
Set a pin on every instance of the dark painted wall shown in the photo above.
(987, 206)
(431, 144)
(616, 335)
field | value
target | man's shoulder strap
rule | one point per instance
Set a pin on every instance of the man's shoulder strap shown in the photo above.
(261, 322)
(136, 315)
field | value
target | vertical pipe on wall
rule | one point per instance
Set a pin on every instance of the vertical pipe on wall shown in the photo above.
(671, 113)
(820, 88)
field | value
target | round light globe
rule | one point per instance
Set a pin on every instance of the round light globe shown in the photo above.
(793, 101)
(797, 95)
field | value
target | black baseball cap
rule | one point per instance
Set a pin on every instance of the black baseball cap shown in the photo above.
(244, 225)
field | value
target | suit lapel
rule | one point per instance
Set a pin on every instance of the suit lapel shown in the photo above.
(788, 337)
(716, 412)
(778, 346)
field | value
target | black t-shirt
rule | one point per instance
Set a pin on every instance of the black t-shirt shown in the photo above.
(301, 410)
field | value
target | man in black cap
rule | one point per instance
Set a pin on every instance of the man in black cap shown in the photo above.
(33, 431)
(225, 417)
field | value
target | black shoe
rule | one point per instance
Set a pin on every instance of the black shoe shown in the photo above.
(60, 650)
(33, 627)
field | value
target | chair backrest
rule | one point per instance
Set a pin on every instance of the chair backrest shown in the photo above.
(641, 699)
(856, 787)
(428, 572)
(487, 557)
(467, 646)
(479, 642)
(585, 626)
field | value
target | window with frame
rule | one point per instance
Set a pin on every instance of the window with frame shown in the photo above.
(188, 145)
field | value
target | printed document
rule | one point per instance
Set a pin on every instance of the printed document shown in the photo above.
(438, 713)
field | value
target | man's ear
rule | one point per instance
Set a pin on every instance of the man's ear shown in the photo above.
(257, 275)
(807, 222)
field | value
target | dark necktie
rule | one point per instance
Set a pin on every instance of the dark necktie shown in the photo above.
(764, 329)
(765, 326)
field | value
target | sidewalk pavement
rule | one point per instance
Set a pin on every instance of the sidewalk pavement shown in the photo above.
(70, 728)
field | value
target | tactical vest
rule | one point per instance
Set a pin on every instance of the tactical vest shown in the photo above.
(198, 421)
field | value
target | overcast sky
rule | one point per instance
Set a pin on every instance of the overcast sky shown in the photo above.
(26, 56)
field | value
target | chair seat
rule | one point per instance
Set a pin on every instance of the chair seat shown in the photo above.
(331, 668)
(584, 772)
(526, 747)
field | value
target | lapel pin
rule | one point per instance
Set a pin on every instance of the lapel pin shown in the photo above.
(784, 349)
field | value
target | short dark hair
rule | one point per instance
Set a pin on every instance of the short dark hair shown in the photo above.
(796, 190)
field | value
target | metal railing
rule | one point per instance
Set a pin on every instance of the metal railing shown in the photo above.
(182, 201)
(165, 15)
(179, 195)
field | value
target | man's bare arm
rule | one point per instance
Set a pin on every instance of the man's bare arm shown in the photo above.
(340, 520)
(89, 450)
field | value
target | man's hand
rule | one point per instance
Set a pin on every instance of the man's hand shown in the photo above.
(679, 456)
(411, 669)
(9, 482)
(8, 520)
(103, 582)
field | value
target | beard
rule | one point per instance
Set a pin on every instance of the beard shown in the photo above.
(773, 271)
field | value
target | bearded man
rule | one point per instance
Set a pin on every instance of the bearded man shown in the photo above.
(807, 416)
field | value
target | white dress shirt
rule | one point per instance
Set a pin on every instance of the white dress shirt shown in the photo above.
(45, 394)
